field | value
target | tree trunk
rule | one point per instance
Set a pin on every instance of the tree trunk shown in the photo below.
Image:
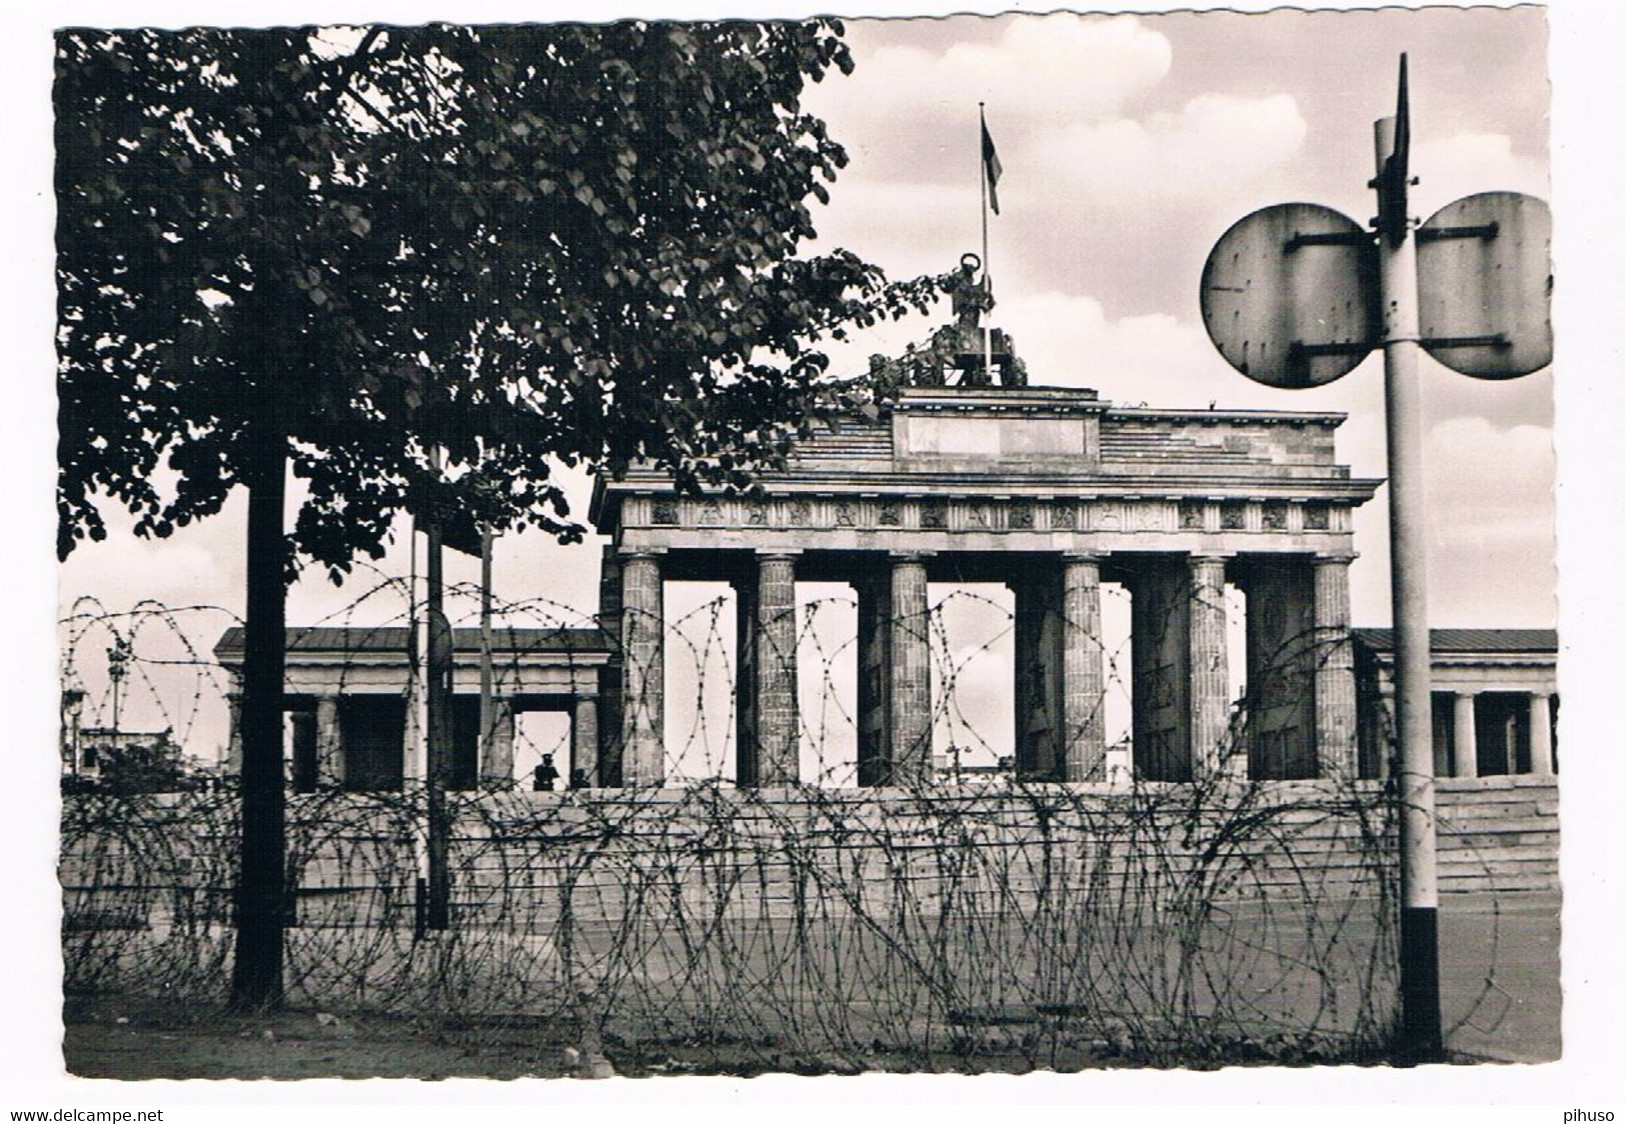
(256, 978)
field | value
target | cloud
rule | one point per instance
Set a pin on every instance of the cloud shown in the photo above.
(1070, 341)
(1063, 178)
(198, 565)
(1492, 519)
(1498, 474)
(1460, 164)
(1101, 154)
(1062, 67)
(908, 229)
(1214, 143)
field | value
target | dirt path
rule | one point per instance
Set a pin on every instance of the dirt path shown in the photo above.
(1499, 973)
(137, 1040)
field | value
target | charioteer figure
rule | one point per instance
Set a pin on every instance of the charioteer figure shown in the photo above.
(958, 354)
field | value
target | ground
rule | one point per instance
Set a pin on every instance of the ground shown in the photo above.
(132, 1038)
(1499, 976)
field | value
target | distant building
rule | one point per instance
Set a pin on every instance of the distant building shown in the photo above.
(350, 694)
(1053, 493)
(952, 768)
(110, 759)
(1495, 706)
(1049, 492)
(99, 747)
(1494, 701)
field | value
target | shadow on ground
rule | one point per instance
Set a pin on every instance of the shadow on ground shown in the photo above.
(1499, 977)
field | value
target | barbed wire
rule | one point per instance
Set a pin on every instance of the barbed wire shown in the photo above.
(1010, 922)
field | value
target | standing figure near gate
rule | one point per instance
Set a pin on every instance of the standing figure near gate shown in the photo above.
(545, 774)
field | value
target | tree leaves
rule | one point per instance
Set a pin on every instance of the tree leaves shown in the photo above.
(528, 245)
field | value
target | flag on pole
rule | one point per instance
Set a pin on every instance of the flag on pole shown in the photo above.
(991, 167)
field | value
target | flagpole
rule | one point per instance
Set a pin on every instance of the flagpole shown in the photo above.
(987, 272)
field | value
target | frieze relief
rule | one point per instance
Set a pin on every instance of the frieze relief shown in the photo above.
(980, 516)
(973, 516)
(1153, 516)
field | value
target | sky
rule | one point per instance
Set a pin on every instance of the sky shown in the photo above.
(1129, 145)
(1124, 160)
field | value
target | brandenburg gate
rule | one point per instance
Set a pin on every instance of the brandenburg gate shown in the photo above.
(1050, 491)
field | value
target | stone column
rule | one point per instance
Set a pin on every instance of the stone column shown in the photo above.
(1209, 668)
(1540, 735)
(910, 672)
(778, 722)
(874, 677)
(1336, 748)
(1386, 747)
(414, 736)
(612, 676)
(1466, 745)
(584, 740)
(643, 623)
(234, 743)
(496, 768)
(1083, 671)
(329, 743)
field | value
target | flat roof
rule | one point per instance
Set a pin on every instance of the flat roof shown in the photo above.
(396, 638)
(1463, 640)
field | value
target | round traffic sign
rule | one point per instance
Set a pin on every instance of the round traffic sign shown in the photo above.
(1289, 295)
(1484, 275)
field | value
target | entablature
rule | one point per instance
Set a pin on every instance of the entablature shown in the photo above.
(1197, 524)
(947, 458)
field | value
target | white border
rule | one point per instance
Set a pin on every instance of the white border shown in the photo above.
(1589, 183)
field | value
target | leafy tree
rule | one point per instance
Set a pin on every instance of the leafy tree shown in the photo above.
(125, 766)
(398, 259)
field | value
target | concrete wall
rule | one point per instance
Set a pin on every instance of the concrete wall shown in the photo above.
(1498, 833)
(518, 858)
(1216, 437)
